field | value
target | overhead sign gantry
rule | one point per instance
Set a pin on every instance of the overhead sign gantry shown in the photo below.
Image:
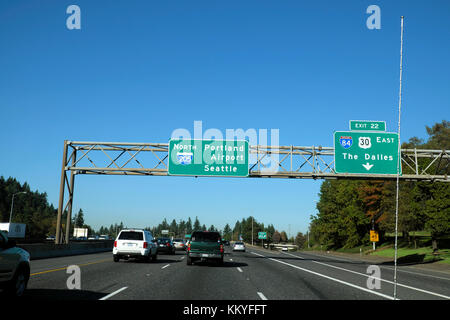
(356, 155)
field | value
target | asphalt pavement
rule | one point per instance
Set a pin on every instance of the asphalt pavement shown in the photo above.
(252, 275)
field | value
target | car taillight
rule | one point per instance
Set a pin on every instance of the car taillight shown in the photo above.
(115, 244)
(221, 248)
(168, 244)
(189, 247)
(145, 245)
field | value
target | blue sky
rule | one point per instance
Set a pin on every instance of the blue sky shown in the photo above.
(137, 70)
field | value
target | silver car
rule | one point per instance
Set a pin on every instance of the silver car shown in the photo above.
(179, 244)
(239, 246)
(14, 267)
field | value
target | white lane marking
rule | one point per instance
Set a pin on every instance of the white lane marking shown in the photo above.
(366, 275)
(239, 269)
(261, 296)
(165, 266)
(113, 293)
(383, 267)
(329, 278)
(419, 274)
(182, 258)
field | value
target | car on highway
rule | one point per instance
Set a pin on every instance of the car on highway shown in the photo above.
(14, 267)
(206, 246)
(165, 245)
(239, 246)
(135, 243)
(179, 244)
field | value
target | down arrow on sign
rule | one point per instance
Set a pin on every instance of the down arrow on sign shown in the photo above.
(368, 166)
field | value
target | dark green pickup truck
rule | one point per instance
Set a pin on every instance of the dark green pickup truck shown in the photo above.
(205, 246)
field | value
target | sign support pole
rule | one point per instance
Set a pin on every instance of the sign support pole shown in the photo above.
(399, 159)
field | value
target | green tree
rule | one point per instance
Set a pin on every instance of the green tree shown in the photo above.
(227, 232)
(197, 225)
(276, 237)
(300, 240)
(283, 236)
(79, 219)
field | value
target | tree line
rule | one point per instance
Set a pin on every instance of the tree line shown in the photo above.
(349, 209)
(30, 207)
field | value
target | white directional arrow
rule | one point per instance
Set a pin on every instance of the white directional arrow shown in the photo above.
(368, 166)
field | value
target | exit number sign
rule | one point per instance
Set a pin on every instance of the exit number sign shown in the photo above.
(366, 125)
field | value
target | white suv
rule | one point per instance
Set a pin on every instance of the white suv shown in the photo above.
(134, 243)
(14, 267)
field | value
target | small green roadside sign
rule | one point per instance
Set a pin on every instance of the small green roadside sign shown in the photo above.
(366, 152)
(367, 125)
(192, 157)
(262, 235)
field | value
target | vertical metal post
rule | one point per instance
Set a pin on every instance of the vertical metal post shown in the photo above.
(252, 229)
(417, 163)
(292, 154)
(399, 159)
(61, 195)
(71, 192)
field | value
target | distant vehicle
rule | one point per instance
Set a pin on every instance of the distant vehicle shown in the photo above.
(226, 242)
(135, 243)
(284, 249)
(205, 245)
(166, 245)
(239, 246)
(50, 238)
(93, 238)
(179, 243)
(103, 237)
(14, 267)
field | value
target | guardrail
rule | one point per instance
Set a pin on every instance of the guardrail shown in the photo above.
(52, 250)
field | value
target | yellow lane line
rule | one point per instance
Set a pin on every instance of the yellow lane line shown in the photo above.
(64, 268)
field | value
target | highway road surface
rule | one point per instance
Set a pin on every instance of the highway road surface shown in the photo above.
(252, 275)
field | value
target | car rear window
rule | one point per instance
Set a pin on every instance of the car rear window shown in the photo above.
(163, 240)
(205, 236)
(131, 235)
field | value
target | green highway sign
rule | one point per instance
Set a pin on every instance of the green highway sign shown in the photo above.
(192, 157)
(262, 235)
(366, 125)
(366, 152)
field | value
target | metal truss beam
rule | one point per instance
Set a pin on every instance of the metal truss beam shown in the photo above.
(292, 162)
